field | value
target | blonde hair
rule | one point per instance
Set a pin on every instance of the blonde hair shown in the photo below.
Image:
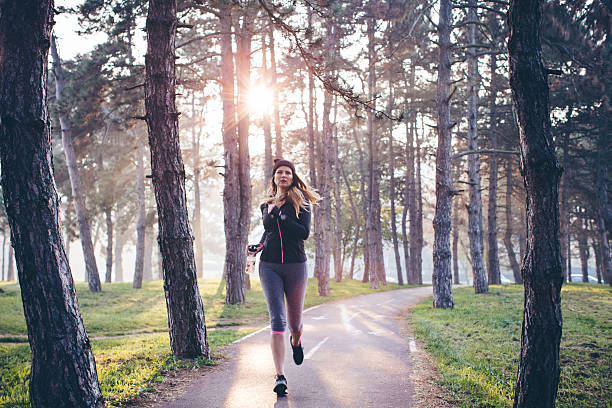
(299, 194)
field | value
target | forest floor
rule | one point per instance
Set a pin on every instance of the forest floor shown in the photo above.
(129, 334)
(476, 345)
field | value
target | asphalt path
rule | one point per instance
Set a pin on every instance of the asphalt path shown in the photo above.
(355, 356)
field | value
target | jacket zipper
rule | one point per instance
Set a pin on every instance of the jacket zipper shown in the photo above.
(281, 239)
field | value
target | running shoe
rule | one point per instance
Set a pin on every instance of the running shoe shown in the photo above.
(298, 352)
(280, 386)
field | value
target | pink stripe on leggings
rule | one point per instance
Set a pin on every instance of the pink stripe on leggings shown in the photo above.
(277, 332)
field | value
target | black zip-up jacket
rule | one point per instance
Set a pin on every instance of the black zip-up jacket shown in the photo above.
(284, 235)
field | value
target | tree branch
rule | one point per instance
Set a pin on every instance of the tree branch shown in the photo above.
(483, 151)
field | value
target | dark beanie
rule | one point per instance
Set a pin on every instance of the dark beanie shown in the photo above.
(282, 162)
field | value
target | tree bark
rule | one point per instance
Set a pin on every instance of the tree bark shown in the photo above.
(197, 206)
(583, 249)
(277, 126)
(603, 221)
(605, 250)
(141, 222)
(267, 126)
(119, 244)
(416, 258)
(455, 241)
(63, 372)
(147, 267)
(564, 216)
(441, 279)
(398, 263)
(514, 265)
(374, 246)
(233, 273)
(322, 251)
(493, 271)
(3, 253)
(364, 207)
(335, 159)
(538, 369)
(91, 268)
(185, 310)
(475, 230)
(108, 215)
(243, 69)
(10, 273)
(598, 258)
(416, 236)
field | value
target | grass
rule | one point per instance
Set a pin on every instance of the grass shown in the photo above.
(129, 333)
(476, 345)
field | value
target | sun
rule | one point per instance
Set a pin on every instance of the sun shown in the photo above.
(260, 100)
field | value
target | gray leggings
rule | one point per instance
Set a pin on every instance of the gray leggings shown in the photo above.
(280, 282)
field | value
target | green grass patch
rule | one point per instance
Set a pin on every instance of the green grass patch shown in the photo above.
(129, 333)
(476, 345)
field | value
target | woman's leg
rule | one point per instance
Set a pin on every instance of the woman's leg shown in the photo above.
(277, 344)
(296, 280)
(273, 288)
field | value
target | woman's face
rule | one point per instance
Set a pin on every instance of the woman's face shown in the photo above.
(283, 177)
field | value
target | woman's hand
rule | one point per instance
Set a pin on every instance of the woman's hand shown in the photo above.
(259, 249)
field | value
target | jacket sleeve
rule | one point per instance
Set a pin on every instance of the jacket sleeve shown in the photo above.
(300, 227)
(268, 218)
(262, 241)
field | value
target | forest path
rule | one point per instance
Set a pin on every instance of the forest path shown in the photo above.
(355, 356)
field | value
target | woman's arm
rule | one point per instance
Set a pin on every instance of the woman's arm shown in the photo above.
(299, 227)
(268, 217)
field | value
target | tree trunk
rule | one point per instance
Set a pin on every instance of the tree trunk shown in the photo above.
(416, 236)
(186, 320)
(10, 273)
(516, 270)
(322, 251)
(232, 272)
(243, 70)
(583, 249)
(338, 250)
(416, 258)
(441, 279)
(3, 253)
(63, 372)
(538, 370)
(455, 240)
(277, 125)
(197, 207)
(364, 208)
(398, 263)
(475, 230)
(108, 214)
(356, 219)
(91, 268)
(119, 244)
(564, 216)
(569, 258)
(375, 249)
(493, 271)
(597, 254)
(147, 268)
(605, 250)
(267, 126)
(603, 221)
(141, 223)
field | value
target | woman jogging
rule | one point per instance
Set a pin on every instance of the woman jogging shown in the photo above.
(282, 266)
